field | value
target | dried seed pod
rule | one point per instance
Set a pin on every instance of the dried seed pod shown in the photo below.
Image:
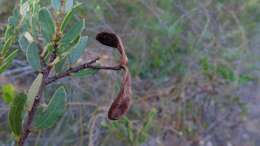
(122, 102)
(112, 40)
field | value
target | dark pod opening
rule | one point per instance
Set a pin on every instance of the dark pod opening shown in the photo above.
(108, 39)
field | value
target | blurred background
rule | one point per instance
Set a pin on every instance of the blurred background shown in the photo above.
(195, 66)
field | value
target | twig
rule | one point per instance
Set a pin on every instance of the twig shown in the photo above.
(31, 113)
(46, 69)
(79, 68)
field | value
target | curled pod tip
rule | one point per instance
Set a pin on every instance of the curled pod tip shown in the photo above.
(112, 40)
(108, 39)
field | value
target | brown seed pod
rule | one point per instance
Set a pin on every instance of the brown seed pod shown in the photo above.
(122, 102)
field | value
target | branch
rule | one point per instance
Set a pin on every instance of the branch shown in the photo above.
(45, 71)
(31, 113)
(88, 65)
(46, 68)
(27, 125)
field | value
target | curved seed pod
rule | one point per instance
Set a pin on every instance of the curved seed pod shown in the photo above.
(122, 102)
(112, 40)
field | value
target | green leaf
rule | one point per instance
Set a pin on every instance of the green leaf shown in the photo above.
(67, 19)
(7, 45)
(85, 72)
(47, 51)
(46, 23)
(8, 61)
(78, 50)
(130, 131)
(226, 72)
(33, 57)
(56, 4)
(204, 63)
(243, 79)
(142, 137)
(48, 117)
(61, 66)
(34, 6)
(73, 33)
(64, 50)
(9, 32)
(14, 19)
(143, 133)
(8, 93)
(150, 117)
(15, 116)
(33, 91)
(23, 43)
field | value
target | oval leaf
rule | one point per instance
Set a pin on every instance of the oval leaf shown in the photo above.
(65, 49)
(23, 43)
(15, 114)
(66, 20)
(48, 117)
(68, 17)
(46, 23)
(73, 33)
(33, 57)
(33, 91)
